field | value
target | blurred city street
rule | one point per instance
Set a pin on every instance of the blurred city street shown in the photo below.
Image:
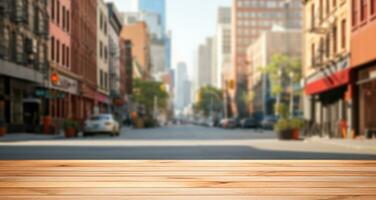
(179, 142)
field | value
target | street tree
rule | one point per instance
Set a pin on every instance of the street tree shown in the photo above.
(210, 101)
(145, 94)
(284, 72)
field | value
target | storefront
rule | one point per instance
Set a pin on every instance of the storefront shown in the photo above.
(20, 109)
(60, 99)
(366, 87)
(330, 107)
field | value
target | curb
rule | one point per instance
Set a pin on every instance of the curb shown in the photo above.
(351, 146)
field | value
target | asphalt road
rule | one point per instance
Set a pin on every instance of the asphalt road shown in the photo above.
(177, 143)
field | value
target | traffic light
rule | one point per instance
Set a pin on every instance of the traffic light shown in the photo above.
(55, 79)
(231, 84)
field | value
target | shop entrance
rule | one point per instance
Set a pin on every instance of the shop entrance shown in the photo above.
(31, 117)
(333, 111)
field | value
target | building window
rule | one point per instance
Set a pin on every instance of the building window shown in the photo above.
(321, 12)
(313, 16)
(58, 12)
(334, 40)
(101, 49)
(63, 54)
(373, 7)
(354, 12)
(68, 57)
(68, 21)
(52, 48)
(57, 51)
(313, 53)
(343, 33)
(363, 10)
(327, 46)
(327, 7)
(64, 17)
(101, 79)
(53, 9)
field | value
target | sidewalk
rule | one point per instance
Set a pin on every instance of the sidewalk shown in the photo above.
(358, 144)
(22, 137)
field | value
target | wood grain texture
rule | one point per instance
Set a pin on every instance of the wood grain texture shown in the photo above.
(187, 180)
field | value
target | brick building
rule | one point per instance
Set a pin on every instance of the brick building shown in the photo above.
(23, 63)
(363, 62)
(84, 55)
(63, 83)
(138, 35)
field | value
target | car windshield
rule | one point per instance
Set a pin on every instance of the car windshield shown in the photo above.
(100, 118)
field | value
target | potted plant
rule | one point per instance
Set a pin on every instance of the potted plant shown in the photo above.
(70, 128)
(296, 125)
(3, 128)
(284, 129)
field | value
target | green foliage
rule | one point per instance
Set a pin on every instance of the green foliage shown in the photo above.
(288, 124)
(68, 123)
(279, 70)
(210, 99)
(297, 123)
(282, 110)
(144, 93)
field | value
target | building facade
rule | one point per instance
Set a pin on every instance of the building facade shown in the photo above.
(326, 66)
(60, 62)
(249, 19)
(260, 53)
(181, 90)
(205, 63)
(138, 35)
(363, 63)
(23, 61)
(103, 71)
(223, 40)
(84, 55)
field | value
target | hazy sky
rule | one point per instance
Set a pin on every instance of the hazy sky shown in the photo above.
(190, 21)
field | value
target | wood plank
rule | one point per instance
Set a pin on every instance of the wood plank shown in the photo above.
(181, 180)
(188, 178)
(187, 191)
(191, 197)
(184, 169)
(186, 173)
(182, 163)
(189, 184)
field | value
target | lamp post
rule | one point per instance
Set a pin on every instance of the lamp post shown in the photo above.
(292, 94)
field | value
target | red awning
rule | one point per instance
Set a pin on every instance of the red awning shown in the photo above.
(335, 80)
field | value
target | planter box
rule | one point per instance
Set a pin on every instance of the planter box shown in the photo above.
(285, 135)
(3, 131)
(70, 133)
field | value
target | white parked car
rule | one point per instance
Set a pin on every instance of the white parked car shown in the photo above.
(103, 123)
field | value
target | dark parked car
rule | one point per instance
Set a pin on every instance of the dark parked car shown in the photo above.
(268, 122)
(250, 123)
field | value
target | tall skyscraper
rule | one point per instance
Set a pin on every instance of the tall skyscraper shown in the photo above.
(153, 6)
(205, 63)
(223, 41)
(182, 90)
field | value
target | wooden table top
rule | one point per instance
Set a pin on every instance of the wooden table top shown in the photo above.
(187, 180)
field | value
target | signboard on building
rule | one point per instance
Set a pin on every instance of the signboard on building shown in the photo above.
(63, 83)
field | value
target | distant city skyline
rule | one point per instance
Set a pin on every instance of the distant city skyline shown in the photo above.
(190, 26)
